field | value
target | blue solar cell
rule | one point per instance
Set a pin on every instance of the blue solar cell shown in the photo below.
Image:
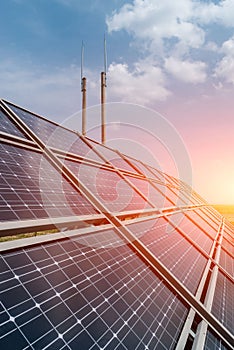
(86, 292)
(54, 135)
(214, 342)
(172, 249)
(31, 188)
(7, 126)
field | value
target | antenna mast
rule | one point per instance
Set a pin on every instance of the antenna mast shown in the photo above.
(83, 90)
(103, 96)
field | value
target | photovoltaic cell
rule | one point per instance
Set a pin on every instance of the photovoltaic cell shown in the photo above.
(8, 127)
(172, 249)
(228, 235)
(141, 169)
(192, 231)
(150, 192)
(178, 197)
(148, 170)
(227, 262)
(55, 136)
(30, 188)
(228, 246)
(108, 186)
(91, 292)
(158, 174)
(229, 229)
(214, 214)
(94, 291)
(210, 216)
(223, 304)
(210, 219)
(113, 157)
(203, 222)
(214, 343)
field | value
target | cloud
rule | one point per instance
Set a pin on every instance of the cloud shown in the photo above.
(225, 67)
(54, 92)
(175, 37)
(145, 84)
(156, 21)
(221, 12)
(165, 33)
(186, 71)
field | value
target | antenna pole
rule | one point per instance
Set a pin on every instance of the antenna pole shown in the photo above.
(83, 106)
(103, 97)
(103, 110)
(83, 90)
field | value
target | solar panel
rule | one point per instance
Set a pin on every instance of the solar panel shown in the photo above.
(109, 187)
(223, 305)
(227, 262)
(136, 255)
(31, 188)
(142, 168)
(54, 135)
(228, 246)
(72, 294)
(178, 197)
(214, 343)
(113, 157)
(228, 234)
(192, 231)
(155, 193)
(212, 217)
(8, 127)
(172, 249)
(202, 223)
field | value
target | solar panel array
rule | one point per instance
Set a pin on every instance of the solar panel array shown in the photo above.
(138, 260)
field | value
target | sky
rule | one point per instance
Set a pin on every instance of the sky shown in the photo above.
(170, 77)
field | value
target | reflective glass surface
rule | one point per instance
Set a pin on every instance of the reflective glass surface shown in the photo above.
(7, 126)
(31, 188)
(91, 292)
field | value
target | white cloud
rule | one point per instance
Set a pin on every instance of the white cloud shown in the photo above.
(154, 21)
(52, 92)
(186, 71)
(181, 19)
(225, 68)
(221, 13)
(145, 84)
(172, 34)
(168, 31)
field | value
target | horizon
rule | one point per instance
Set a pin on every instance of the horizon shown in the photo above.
(189, 63)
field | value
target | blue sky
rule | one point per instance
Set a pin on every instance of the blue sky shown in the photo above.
(174, 57)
